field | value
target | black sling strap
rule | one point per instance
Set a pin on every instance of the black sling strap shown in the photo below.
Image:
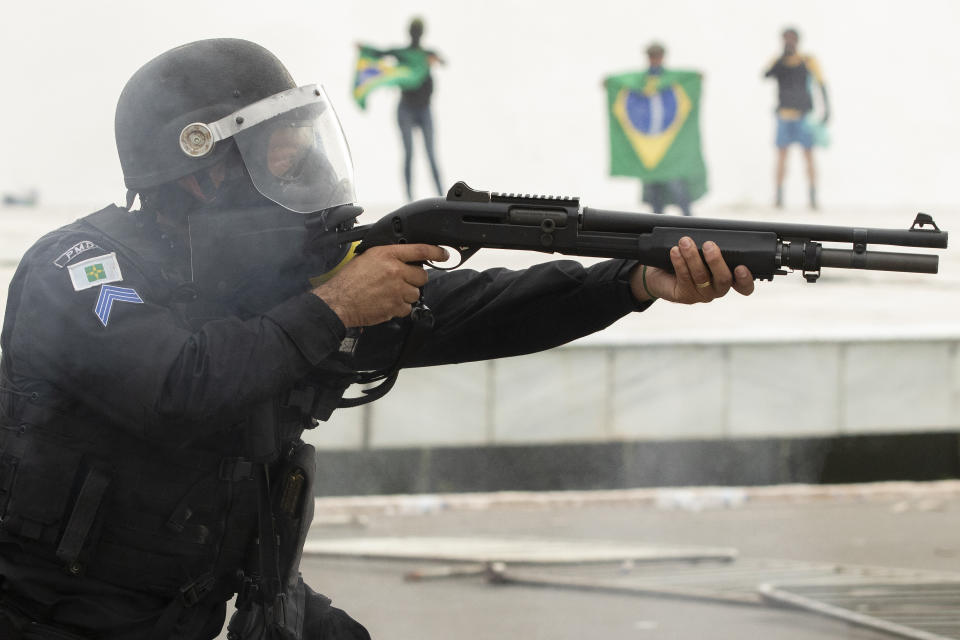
(271, 589)
(421, 323)
(81, 519)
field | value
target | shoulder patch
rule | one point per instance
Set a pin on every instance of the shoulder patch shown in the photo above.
(81, 247)
(110, 294)
(94, 272)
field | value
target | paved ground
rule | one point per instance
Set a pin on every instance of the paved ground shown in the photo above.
(911, 531)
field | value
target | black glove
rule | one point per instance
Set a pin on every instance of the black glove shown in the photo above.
(334, 624)
(324, 622)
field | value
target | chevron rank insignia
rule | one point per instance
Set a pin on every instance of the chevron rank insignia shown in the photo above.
(95, 272)
(109, 295)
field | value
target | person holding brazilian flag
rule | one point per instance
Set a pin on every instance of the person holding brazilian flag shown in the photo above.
(655, 132)
(409, 69)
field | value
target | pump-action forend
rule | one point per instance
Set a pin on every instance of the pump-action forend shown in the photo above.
(468, 220)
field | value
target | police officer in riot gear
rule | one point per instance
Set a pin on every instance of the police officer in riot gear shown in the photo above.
(160, 364)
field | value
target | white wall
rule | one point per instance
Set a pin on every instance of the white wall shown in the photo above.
(665, 392)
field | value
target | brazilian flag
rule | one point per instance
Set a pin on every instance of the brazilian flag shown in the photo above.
(377, 69)
(655, 128)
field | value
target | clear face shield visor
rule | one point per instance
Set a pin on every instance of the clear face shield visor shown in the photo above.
(292, 146)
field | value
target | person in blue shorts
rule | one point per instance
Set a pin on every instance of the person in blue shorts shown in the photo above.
(795, 72)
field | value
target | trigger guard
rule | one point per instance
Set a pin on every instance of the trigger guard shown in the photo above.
(465, 253)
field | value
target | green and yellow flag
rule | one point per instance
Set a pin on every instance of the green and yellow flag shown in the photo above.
(377, 69)
(655, 128)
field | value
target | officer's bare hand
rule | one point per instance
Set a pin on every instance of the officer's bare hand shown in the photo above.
(693, 280)
(379, 284)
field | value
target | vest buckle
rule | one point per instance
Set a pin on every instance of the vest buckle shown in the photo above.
(192, 593)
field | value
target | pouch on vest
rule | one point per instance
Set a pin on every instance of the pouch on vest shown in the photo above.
(291, 502)
(293, 507)
(261, 440)
(43, 482)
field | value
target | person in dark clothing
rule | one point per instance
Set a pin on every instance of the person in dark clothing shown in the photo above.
(414, 112)
(794, 74)
(159, 364)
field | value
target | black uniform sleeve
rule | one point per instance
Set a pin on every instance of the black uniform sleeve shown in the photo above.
(142, 367)
(499, 312)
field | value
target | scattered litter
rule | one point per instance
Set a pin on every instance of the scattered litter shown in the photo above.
(931, 504)
(700, 499)
(447, 571)
(646, 625)
(922, 505)
(947, 491)
(423, 504)
(340, 520)
(900, 507)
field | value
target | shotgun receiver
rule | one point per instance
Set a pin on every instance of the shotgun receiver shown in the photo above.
(468, 220)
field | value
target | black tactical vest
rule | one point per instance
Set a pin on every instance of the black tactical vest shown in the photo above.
(80, 492)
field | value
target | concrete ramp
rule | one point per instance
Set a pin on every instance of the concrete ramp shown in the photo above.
(735, 582)
(518, 550)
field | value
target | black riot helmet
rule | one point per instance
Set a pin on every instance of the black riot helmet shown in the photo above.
(185, 110)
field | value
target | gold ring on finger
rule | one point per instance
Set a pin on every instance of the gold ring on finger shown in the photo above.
(705, 284)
